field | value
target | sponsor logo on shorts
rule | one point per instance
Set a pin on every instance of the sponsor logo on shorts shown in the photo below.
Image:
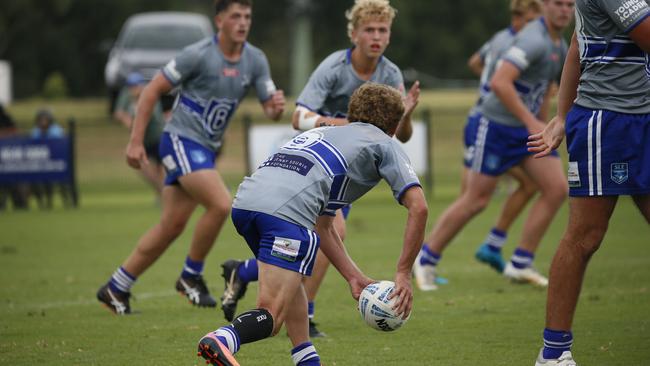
(286, 248)
(619, 173)
(169, 163)
(573, 175)
(198, 156)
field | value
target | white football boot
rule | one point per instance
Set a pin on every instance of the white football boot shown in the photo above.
(566, 359)
(425, 275)
(525, 275)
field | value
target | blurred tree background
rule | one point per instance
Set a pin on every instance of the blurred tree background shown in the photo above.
(63, 44)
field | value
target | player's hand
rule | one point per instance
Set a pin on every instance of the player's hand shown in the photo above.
(278, 102)
(135, 155)
(403, 293)
(412, 98)
(547, 140)
(535, 127)
(357, 284)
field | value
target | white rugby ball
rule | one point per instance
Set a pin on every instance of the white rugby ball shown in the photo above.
(375, 308)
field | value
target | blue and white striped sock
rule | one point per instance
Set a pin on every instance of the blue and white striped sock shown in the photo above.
(228, 336)
(192, 268)
(428, 257)
(305, 355)
(495, 239)
(121, 281)
(310, 309)
(522, 258)
(556, 342)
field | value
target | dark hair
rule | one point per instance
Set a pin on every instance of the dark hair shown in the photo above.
(377, 104)
(221, 5)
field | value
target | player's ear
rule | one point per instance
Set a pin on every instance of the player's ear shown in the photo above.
(217, 21)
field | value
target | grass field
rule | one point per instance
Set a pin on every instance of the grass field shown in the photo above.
(53, 262)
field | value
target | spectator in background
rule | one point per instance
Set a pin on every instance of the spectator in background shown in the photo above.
(152, 172)
(17, 192)
(46, 127)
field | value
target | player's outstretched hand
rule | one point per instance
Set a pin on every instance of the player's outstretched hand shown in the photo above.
(357, 284)
(135, 155)
(278, 102)
(412, 98)
(549, 139)
(404, 294)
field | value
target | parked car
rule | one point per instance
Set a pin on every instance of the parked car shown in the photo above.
(147, 42)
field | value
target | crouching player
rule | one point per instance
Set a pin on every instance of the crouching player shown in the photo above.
(303, 184)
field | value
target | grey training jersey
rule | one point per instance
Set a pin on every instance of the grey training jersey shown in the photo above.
(490, 52)
(324, 169)
(211, 87)
(330, 86)
(540, 62)
(615, 71)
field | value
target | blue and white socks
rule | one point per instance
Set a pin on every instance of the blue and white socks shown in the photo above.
(495, 240)
(247, 270)
(429, 258)
(228, 337)
(555, 343)
(305, 355)
(192, 268)
(522, 258)
(121, 281)
(310, 310)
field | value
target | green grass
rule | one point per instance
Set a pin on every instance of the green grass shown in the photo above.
(53, 262)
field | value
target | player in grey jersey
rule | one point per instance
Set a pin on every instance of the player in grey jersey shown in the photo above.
(509, 113)
(324, 101)
(213, 75)
(604, 101)
(302, 186)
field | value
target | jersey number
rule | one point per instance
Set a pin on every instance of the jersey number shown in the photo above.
(217, 114)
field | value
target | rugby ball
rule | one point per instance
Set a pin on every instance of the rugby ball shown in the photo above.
(377, 310)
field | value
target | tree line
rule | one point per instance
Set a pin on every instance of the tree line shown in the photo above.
(71, 38)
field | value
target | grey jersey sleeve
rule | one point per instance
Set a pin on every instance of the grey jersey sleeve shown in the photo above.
(395, 167)
(320, 83)
(182, 66)
(264, 86)
(527, 48)
(626, 14)
(484, 50)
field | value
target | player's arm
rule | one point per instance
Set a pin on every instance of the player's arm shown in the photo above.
(159, 85)
(405, 128)
(640, 34)
(274, 106)
(333, 247)
(413, 199)
(304, 119)
(551, 137)
(546, 101)
(475, 63)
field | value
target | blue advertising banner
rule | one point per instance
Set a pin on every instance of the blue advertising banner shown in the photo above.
(24, 159)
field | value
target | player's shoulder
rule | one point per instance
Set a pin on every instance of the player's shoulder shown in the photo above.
(504, 35)
(253, 51)
(335, 60)
(390, 67)
(201, 46)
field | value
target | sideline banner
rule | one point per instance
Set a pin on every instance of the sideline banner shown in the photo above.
(24, 159)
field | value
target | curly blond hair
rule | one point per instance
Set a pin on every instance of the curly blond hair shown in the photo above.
(364, 10)
(522, 6)
(377, 104)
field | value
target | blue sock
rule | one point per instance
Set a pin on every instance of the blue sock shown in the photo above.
(192, 268)
(247, 271)
(310, 309)
(305, 355)
(522, 258)
(556, 342)
(228, 336)
(121, 281)
(428, 257)
(495, 240)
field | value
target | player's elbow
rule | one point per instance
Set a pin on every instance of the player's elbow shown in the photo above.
(419, 209)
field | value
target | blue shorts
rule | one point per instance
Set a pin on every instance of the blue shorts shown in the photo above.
(181, 156)
(609, 152)
(277, 242)
(492, 148)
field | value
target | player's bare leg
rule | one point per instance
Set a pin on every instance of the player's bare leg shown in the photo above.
(154, 174)
(643, 204)
(278, 288)
(588, 220)
(296, 320)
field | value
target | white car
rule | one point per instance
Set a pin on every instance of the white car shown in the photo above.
(148, 41)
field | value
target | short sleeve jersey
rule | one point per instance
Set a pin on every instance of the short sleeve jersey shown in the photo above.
(330, 86)
(539, 60)
(324, 169)
(615, 71)
(211, 88)
(489, 53)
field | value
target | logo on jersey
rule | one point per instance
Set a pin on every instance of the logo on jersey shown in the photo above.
(619, 172)
(629, 8)
(216, 115)
(230, 72)
(305, 139)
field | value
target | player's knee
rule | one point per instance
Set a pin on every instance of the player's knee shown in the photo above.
(172, 228)
(219, 209)
(477, 204)
(556, 193)
(254, 325)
